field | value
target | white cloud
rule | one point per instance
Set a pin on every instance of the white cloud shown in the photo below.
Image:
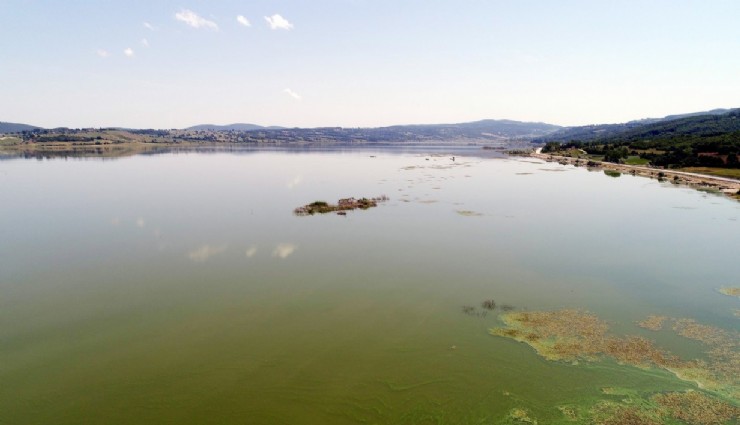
(140, 223)
(284, 250)
(103, 53)
(191, 18)
(277, 22)
(129, 52)
(251, 251)
(292, 94)
(244, 21)
(205, 252)
(149, 26)
(145, 42)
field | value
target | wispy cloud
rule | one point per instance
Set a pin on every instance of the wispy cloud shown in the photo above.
(129, 52)
(277, 22)
(103, 53)
(284, 250)
(145, 42)
(251, 251)
(205, 252)
(194, 20)
(244, 21)
(292, 94)
(149, 26)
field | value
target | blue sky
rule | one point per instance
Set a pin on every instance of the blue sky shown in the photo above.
(172, 64)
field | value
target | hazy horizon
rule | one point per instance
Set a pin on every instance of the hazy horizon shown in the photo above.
(361, 63)
(278, 126)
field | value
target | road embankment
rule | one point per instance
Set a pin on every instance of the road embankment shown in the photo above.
(728, 186)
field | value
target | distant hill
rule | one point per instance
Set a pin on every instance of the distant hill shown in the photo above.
(691, 125)
(492, 133)
(693, 114)
(638, 128)
(9, 127)
(710, 139)
(484, 129)
(477, 129)
(231, 127)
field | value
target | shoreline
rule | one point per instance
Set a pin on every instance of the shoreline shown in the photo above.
(727, 186)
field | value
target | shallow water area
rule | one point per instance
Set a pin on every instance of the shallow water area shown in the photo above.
(181, 288)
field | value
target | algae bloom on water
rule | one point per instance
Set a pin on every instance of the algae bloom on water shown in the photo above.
(625, 406)
(572, 335)
(732, 291)
(693, 407)
(653, 323)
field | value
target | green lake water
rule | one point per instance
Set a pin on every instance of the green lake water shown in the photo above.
(180, 288)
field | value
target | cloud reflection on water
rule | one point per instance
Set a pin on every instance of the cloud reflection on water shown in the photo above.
(295, 181)
(205, 252)
(284, 250)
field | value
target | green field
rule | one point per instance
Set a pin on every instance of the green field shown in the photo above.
(733, 173)
(636, 160)
(9, 141)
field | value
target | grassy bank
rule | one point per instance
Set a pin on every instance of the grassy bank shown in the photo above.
(732, 173)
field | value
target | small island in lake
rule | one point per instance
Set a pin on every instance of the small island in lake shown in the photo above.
(341, 207)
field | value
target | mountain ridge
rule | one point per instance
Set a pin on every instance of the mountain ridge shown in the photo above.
(538, 132)
(232, 127)
(605, 132)
(12, 127)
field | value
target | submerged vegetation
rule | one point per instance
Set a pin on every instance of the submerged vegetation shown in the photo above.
(574, 335)
(343, 205)
(521, 416)
(467, 213)
(732, 292)
(610, 413)
(623, 406)
(486, 306)
(696, 408)
(653, 323)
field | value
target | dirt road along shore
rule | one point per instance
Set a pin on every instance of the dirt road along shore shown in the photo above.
(728, 186)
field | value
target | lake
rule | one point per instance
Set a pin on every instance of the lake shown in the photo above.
(180, 288)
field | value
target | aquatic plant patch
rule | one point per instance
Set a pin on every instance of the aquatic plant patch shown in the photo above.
(343, 205)
(574, 335)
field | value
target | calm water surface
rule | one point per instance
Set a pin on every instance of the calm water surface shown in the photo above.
(180, 288)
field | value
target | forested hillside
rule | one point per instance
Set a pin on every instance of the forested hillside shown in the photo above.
(11, 127)
(708, 140)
